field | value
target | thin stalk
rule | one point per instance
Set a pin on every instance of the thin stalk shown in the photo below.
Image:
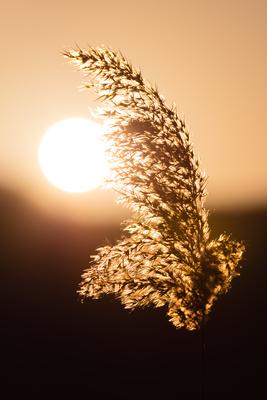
(203, 358)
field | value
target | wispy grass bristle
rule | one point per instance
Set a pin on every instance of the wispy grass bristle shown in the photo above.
(165, 256)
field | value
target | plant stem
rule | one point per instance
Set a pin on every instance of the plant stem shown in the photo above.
(203, 358)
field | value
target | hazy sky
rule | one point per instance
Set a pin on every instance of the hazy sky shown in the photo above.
(209, 57)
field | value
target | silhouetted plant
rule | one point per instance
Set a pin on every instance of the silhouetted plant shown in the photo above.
(166, 256)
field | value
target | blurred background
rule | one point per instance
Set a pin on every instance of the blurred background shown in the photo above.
(210, 59)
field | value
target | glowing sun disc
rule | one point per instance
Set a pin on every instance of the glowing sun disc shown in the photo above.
(72, 155)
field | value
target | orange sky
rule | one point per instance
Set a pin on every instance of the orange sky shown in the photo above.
(209, 57)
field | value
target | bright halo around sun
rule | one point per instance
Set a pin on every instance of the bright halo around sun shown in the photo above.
(72, 155)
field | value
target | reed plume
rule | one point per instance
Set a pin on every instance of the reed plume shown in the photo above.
(165, 256)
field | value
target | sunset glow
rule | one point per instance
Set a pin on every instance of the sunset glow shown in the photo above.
(71, 155)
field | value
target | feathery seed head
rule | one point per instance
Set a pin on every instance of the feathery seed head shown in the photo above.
(165, 256)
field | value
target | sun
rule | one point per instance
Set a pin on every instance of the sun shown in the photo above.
(72, 155)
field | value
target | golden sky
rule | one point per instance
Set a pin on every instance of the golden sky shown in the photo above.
(209, 57)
